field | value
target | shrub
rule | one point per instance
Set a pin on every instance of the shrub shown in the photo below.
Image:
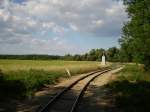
(24, 83)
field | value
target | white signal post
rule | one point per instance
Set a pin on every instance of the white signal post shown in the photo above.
(103, 60)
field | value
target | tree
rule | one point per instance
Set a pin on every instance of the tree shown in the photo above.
(135, 40)
(68, 57)
(113, 54)
(95, 54)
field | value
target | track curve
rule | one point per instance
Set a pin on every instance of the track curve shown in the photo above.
(59, 103)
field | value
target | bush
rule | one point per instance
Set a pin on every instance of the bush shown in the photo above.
(20, 84)
(132, 73)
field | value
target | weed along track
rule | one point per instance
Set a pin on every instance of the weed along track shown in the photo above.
(67, 100)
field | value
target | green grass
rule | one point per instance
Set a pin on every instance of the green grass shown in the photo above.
(8, 65)
(134, 73)
(21, 78)
(18, 84)
(131, 89)
(74, 67)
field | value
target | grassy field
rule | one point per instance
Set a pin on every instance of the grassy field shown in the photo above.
(22, 78)
(13, 65)
(131, 89)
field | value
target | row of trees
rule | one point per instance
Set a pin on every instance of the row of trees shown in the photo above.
(112, 54)
(31, 57)
(135, 41)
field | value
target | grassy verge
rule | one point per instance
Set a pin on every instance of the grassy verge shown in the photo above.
(19, 84)
(21, 78)
(131, 90)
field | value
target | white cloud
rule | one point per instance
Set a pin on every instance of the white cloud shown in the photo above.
(41, 18)
(57, 15)
(4, 15)
(48, 24)
(98, 23)
(115, 10)
(73, 27)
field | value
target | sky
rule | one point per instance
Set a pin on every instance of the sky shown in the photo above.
(58, 27)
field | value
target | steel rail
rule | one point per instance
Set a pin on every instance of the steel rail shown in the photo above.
(48, 105)
(73, 109)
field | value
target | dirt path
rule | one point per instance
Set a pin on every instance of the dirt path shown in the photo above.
(43, 96)
(93, 96)
(97, 98)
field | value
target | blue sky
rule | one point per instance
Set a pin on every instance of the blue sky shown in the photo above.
(18, 1)
(59, 26)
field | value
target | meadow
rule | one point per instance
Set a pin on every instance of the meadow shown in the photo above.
(52, 65)
(21, 78)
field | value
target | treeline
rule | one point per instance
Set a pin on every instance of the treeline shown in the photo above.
(31, 57)
(112, 54)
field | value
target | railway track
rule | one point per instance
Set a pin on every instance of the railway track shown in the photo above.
(68, 99)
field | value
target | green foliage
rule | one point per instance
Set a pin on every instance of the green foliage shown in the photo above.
(21, 78)
(134, 73)
(25, 83)
(131, 97)
(113, 54)
(92, 55)
(95, 54)
(135, 39)
(31, 57)
(131, 89)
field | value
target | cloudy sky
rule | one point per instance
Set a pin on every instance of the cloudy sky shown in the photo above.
(59, 26)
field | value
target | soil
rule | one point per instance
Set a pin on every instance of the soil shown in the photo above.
(97, 98)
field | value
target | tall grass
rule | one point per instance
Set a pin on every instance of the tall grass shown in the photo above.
(134, 73)
(25, 83)
(52, 65)
(21, 78)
